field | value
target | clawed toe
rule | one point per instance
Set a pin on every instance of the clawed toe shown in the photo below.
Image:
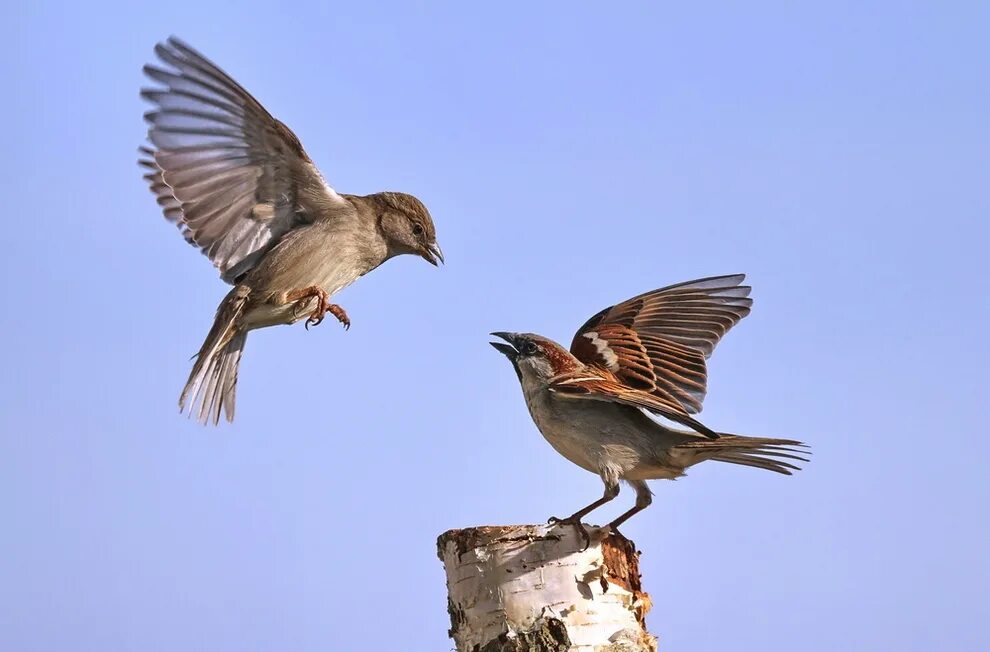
(301, 298)
(340, 314)
(316, 317)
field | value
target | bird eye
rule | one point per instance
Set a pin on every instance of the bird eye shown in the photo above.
(528, 348)
(417, 229)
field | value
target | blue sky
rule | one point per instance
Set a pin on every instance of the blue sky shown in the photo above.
(836, 153)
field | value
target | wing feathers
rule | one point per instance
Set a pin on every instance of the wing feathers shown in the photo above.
(218, 154)
(658, 342)
(184, 118)
(599, 388)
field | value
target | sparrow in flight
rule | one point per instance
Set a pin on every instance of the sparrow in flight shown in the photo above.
(240, 187)
(640, 358)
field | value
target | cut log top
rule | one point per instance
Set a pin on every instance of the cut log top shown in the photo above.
(532, 588)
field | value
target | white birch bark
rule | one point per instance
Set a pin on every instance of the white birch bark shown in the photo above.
(531, 588)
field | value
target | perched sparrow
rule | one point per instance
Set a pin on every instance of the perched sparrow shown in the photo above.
(645, 355)
(239, 186)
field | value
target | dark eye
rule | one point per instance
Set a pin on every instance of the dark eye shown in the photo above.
(417, 230)
(528, 348)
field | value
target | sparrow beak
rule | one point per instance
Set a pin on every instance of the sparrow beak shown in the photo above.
(505, 349)
(432, 254)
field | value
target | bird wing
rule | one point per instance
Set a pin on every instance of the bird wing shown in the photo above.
(171, 206)
(598, 385)
(657, 343)
(231, 176)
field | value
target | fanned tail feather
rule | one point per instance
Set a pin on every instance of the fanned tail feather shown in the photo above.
(212, 383)
(760, 452)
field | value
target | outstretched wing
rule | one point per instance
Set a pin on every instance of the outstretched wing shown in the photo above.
(657, 343)
(231, 176)
(598, 385)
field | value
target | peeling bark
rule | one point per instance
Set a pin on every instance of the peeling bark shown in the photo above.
(530, 588)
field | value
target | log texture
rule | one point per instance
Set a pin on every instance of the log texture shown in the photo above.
(531, 588)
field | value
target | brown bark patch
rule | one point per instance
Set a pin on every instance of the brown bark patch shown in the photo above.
(546, 635)
(622, 568)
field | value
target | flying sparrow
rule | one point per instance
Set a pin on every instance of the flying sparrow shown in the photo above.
(642, 356)
(240, 187)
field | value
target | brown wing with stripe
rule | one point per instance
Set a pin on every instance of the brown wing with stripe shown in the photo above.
(602, 386)
(658, 342)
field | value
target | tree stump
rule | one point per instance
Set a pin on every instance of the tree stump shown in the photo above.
(531, 588)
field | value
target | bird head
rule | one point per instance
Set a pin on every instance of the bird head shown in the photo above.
(535, 357)
(407, 226)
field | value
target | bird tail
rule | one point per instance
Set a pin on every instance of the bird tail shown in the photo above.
(760, 452)
(212, 382)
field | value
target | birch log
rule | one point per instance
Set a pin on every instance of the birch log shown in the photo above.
(530, 588)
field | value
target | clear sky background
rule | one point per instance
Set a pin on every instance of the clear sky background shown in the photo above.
(838, 154)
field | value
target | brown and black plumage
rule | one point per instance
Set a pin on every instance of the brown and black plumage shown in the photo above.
(644, 356)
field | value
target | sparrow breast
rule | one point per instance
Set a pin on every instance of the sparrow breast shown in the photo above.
(597, 436)
(329, 255)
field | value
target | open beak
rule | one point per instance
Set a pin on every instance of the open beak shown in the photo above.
(508, 350)
(433, 254)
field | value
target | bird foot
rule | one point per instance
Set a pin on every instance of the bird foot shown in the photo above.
(578, 525)
(340, 314)
(322, 307)
(302, 297)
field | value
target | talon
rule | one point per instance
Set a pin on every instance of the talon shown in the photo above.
(340, 314)
(302, 297)
(314, 319)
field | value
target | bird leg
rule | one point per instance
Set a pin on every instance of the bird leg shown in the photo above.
(323, 305)
(304, 294)
(611, 491)
(643, 499)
